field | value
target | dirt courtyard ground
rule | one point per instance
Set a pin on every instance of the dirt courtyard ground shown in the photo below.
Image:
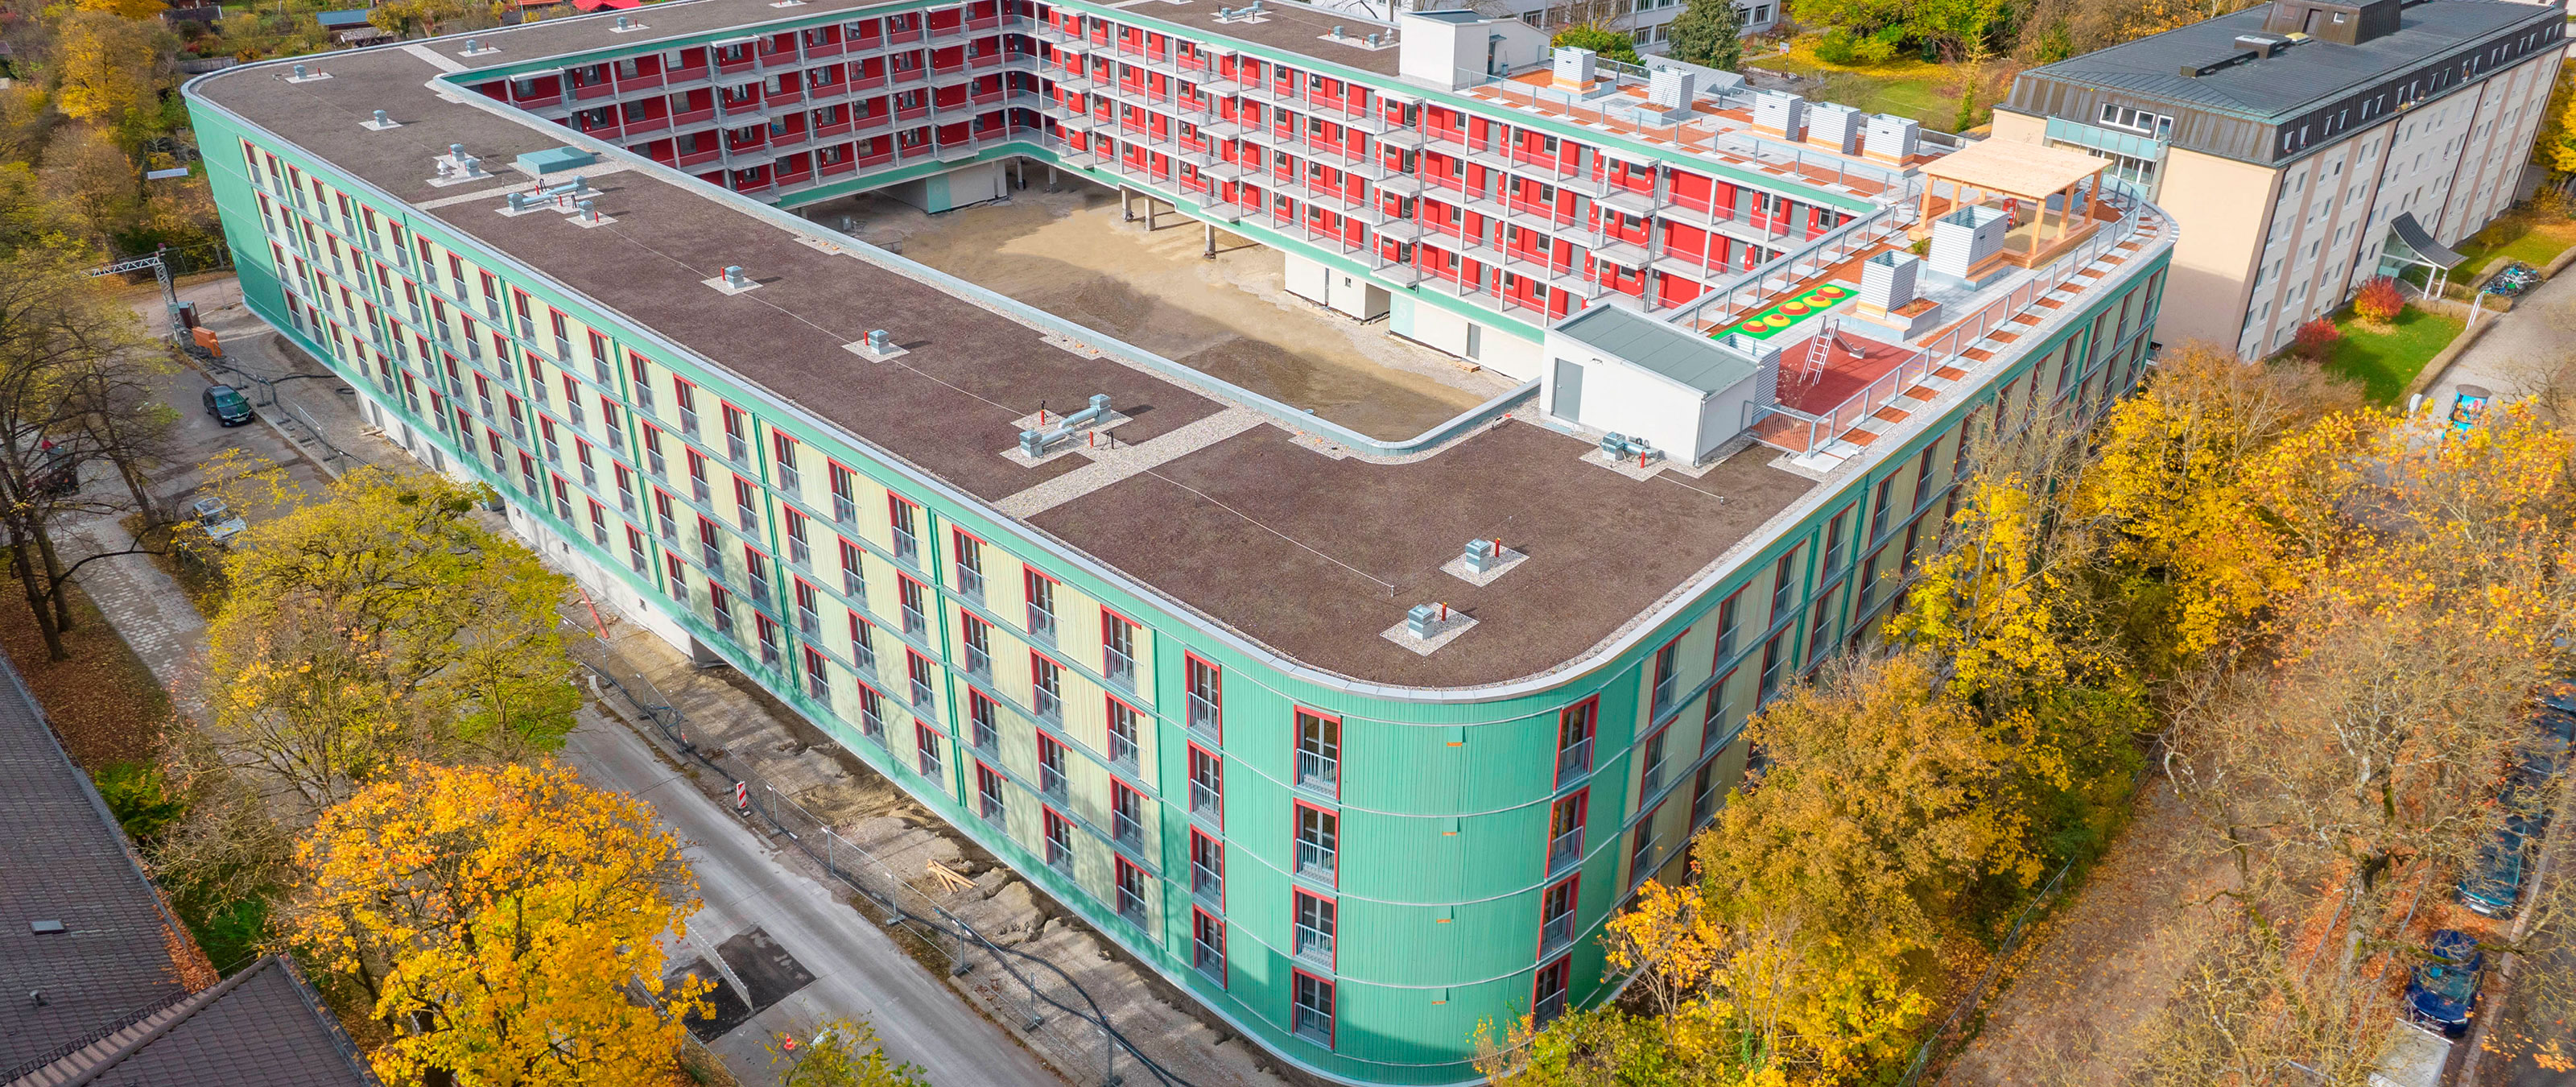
(1232, 318)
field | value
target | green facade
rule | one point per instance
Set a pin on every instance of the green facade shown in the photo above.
(1445, 797)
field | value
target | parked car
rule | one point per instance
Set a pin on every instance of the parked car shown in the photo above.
(227, 405)
(217, 519)
(2493, 886)
(2443, 992)
(58, 475)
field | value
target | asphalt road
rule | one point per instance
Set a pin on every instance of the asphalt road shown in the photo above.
(855, 967)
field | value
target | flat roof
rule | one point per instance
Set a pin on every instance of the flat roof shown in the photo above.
(1275, 533)
(2302, 76)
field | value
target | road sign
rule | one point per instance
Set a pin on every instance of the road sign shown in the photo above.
(742, 795)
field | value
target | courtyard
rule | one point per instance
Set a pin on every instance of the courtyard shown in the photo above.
(1068, 252)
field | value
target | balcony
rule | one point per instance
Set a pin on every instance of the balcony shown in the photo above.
(1318, 861)
(1565, 850)
(1555, 932)
(1319, 771)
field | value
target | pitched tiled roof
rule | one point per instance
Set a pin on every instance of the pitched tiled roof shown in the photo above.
(259, 1028)
(82, 928)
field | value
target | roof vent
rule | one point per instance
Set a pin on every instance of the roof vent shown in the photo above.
(1483, 561)
(2195, 71)
(878, 347)
(47, 928)
(380, 122)
(457, 167)
(1034, 444)
(2263, 45)
(305, 73)
(1427, 627)
(474, 47)
(626, 24)
(733, 281)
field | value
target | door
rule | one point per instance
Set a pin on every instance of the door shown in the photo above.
(1569, 387)
(1475, 342)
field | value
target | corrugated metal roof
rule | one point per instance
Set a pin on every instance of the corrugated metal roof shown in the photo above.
(1658, 347)
(2299, 77)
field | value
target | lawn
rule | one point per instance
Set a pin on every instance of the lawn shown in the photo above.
(2386, 362)
(2532, 239)
(1906, 87)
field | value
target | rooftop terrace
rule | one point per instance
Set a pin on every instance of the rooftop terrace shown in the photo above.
(1263, 525)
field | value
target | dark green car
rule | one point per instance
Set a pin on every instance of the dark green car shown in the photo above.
(227, 405)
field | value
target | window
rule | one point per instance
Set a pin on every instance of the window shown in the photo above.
(1117, 649)
(1556, 915)
(863, 643)
(1122, 728)
(854, 577)
(917, 670)
(1204, 693)
(1641, 850)
(1131, 892)
(1834, 541)
(1923, 472)
(970, 566)
(1207, 785)
(1319, 839)
(1668, 677)
(845, 508)
(1126, 815)
(1051, 777)
(1721, 713)
(978, 638)
(903, 518)
(1565, 832)
(916, 621)
(988, 793)
(1650, 776)
(808, 618)
(1314, 996)
(1315, 925)
(983, 722)
(1727, 616)
(1059, 842)
(1574, 725)
(1207, 945)
(1207, 868)
(871, 713)
(1878, 508)
(1046, 683)
(1784, 587)
(1703, 796)
(1319, 751)
(1041, 592)
(927, 743)
(1547, 993)
(1773, 663)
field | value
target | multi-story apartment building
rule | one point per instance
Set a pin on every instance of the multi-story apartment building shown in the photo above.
(2306, 147)
(1357, 741)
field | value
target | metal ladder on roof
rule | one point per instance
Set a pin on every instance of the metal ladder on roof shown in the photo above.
(1820, 351)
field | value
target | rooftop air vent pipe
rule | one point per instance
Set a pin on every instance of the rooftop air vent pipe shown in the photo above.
(734, 277)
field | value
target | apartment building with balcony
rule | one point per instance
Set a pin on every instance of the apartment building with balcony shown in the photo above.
(1357, 741)
(2306, 147)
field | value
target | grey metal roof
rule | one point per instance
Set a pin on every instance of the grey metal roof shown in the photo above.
(2300, 77)
(1658, 347)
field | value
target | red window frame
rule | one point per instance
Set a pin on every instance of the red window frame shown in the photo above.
(1049, 821)
(1202, 920)
(1332, 1037)
(1216, 693)
(1296, 730)
(1580, 800)
(1215, 762)
(1572, 885)
(925, 741)
(1215, 847)
(1590, 711)
(1331, 962)
(1563, 966)
(1296, 818)
(984, 775)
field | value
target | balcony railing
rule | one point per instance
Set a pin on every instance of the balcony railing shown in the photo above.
(1316, 860)
(1574, 760)
(1316, 770)
(1565, 850)
(1555, 932)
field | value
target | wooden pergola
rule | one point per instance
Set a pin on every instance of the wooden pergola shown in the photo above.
(2031, 171)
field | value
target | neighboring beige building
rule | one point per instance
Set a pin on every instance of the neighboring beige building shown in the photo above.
(2301, 144)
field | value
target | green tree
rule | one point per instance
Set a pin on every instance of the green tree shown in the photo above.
(381, 624)
(842, 1053)
(109, 66)
(1709, 33)
(1610, 44)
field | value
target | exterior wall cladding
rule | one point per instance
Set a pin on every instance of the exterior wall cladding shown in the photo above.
(1356, 875)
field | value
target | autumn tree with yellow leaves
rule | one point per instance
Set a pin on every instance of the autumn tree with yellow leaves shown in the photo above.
(497, 920)
(380, 625)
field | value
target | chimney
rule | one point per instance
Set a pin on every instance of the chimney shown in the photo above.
(1887, 282)
(1780, 114)
(1574, 68)
(1892, 139)
(1671, 88)
(1835, 127)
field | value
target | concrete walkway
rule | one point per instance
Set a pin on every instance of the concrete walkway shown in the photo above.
(2527, 351)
